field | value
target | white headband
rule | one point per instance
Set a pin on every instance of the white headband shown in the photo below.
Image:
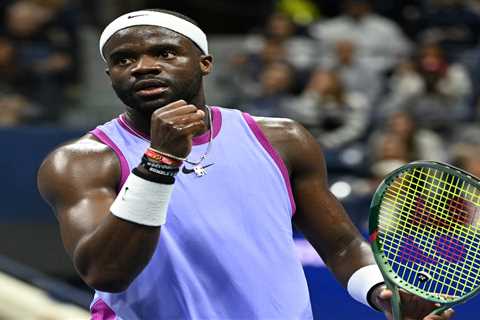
(155, 18)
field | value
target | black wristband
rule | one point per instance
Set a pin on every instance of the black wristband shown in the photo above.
(158, 168)
(369, 296)
(161, 172)
(154, 177)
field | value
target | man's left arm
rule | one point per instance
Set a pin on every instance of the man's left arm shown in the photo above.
(321, 217)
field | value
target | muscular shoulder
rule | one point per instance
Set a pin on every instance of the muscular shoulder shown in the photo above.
(279, 128)
(85, 153)
(297, 147)
(76, 166)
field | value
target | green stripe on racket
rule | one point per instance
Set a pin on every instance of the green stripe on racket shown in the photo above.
(425, 233)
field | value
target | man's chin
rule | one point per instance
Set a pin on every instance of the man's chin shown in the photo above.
(151, 105)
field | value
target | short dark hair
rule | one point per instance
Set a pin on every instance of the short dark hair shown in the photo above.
(177, 14)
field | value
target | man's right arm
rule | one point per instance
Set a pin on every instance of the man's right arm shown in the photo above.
(110, 245)
(80, 182)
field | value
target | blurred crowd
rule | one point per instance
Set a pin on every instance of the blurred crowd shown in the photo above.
(376, 91)
(378, 83)
(38, 60)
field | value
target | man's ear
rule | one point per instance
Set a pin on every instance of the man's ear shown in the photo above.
(206, 64)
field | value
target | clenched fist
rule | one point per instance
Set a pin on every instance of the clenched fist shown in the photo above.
(174, 125)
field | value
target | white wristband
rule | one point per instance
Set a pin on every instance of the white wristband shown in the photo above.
(362, 281)
(142, 201)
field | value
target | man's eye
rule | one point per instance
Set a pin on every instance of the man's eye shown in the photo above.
(167, 54)
(124, 61)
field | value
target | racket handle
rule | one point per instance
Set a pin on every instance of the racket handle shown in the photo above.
(395, 301)
(396, 306)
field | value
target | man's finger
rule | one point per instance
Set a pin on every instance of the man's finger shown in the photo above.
(449, 313)
(417, 304)
(385, 294)
(187, 118)
(192, 128)
(175, 104)
(173, 112)
(446, 315)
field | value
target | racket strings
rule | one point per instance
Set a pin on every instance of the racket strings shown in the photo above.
(415, 194)
(449, 247)
(416, 255)
(422, 221)
(421, 240)
(442, 211)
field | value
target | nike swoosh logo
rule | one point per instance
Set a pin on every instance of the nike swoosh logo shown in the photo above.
(188, 171)
(138, 15)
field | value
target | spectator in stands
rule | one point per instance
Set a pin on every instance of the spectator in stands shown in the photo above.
(15, 107)
(299, 50)
(467, 157)
(420, 143)
(471, 61)
(466, 133)
(388, 153)
(273, 89)
(335, 116)
(405, 82)
(380, 42)
(451, 23)
(44, 36)
(279, 40)
(433, 90)
(354, 75)
(242, 80)
(450, 78)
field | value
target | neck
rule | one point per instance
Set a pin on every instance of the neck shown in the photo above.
(141, 120)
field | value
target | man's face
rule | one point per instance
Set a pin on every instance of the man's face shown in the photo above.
(357, 9)
(152, 66)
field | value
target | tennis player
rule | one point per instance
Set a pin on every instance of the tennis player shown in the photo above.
(179, 210)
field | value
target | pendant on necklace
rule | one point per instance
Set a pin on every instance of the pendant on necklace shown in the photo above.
(199, 171)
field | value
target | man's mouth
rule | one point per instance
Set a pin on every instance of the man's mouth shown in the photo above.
(153, 91)
(149, 88)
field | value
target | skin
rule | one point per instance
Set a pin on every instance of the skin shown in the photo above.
(80, 179)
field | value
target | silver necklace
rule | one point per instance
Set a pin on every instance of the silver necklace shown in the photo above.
(199, 170)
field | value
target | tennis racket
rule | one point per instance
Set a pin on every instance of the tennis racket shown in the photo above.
(424, 229)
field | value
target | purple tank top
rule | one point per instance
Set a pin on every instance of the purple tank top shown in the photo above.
(226, 251)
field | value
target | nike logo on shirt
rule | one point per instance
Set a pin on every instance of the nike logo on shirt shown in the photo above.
(188, 171)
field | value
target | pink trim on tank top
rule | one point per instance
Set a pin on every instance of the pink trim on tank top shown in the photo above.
(101, 311)
(125, 170)
(217, 124)
(122, 120)
(257, 131)
(201, 139)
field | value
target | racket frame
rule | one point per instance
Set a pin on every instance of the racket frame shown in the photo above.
(391, 279)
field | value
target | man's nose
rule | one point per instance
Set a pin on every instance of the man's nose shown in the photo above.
(146, 64)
